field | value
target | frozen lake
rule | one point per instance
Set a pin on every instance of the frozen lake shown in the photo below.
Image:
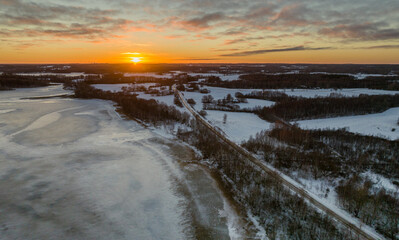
(74, 169)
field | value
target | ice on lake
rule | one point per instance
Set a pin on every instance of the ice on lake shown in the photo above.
(74, 169)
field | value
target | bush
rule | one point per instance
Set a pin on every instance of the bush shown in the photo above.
(177, 102)
(203, 113)
(191, 101)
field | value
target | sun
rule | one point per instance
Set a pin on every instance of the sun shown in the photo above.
(136, 59)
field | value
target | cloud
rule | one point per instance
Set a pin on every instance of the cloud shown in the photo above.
(197, 59)
(202, 22)
(295, 15)
(382, 47)
(364, 31)
(263, 51)
(241, 40)
(174, 36)
(61, 21)
(223, 22)
(226, 50)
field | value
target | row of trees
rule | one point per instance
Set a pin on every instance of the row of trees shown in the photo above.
(263, 81)
(10, 81)
(146, 110)
(322, 107)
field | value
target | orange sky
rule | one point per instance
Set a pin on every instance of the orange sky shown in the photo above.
(196, 31)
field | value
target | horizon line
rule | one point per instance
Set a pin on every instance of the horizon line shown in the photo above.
(246, 63)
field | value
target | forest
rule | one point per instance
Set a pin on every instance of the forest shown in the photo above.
(11, 81)
(305, 81)
(291, 108)
(328, 154)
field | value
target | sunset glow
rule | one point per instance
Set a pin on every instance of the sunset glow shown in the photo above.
(172, 31)
(136, 59)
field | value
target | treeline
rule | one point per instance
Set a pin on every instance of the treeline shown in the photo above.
(119, 78)
(266, 81)
(331, 154)
(275, 96)
(282, 214)
(322, 107)
(146, 110)
(10, 81)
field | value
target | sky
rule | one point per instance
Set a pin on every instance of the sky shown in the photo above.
(199, 31)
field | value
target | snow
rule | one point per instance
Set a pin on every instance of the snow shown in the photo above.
(381, 182)
(220, 93)
(216, 92)
(261, 234)
(328, 203)
(168, 99)
(4, 111)
(319, 188)
(239, 125)
(252, 103)
(224, 77)
(118, 87)
(347, 92)
(379, 124)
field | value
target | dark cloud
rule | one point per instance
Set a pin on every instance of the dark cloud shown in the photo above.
(263, 51)
(38, 19)
(242, 40)
(226, 50)
(202, 22)
(196, 59)
(382, 47)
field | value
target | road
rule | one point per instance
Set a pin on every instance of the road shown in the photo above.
(354, 225)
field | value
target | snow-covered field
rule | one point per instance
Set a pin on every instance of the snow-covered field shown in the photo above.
(224, 77)
(239, 126)
(381, 182)
(217, 93)
(380, 124)
(373, 124)
(347, 92)
(74, 169)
